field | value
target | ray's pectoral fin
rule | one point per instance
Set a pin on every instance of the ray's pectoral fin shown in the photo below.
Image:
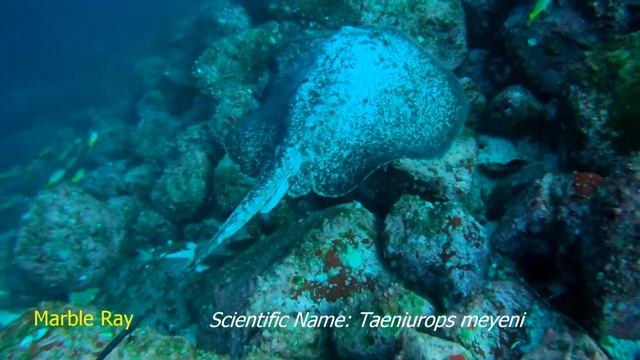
(263, 198)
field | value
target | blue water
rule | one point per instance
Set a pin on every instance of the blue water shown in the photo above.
(61, 56)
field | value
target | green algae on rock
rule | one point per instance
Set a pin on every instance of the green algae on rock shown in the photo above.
(612, 69)
(343, 123)
(22, 340)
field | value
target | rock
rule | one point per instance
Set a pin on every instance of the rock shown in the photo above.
(609, 241)
(154, 135)
(481, 21)
(146, 343)
(22, 340)
(68, 240)
(515, 112)
(103, 182)
(234, 71)
(612, 15)
(477, 102)
(150, 228)
(200, 137)
(558, 345)
(491, 71)
(114, 140)
(316, 13)
(290, 343)
(138, 181)
(214, 20)
(513, 178)
(530, 227)
(549, 48)
(496, 150)
(438, 246)
(230, 186)
(585, 214)
(620, 348)
(200, 232)
(419, 346)
(153, 287)
(316, 266)
(506, 168)
(365, 342)
(604, 102)
(438, 25)
(591, 116)
(446, 178)
(182, 189)
(335, 263)
(523, 229)
(499, 298)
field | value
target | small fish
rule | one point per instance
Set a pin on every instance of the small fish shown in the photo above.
(540, 7)
(56, 177)
(78, 176)
(93, 139)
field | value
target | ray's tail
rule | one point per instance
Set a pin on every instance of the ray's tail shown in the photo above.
(271, 188)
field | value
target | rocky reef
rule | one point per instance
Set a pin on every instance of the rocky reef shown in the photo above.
(533, 210)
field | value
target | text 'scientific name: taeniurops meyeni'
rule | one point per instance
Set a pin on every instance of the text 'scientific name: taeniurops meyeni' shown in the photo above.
(364, 319)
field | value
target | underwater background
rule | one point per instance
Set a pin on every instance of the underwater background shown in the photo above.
(175, 159)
